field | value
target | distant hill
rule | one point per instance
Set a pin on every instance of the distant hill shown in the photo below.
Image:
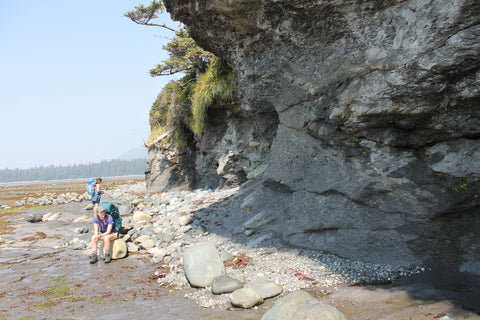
(137, 153)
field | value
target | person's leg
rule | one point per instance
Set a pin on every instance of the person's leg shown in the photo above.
(107, 242)
(108, 239)
(93, 243)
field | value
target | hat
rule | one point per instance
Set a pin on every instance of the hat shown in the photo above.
(101, 209)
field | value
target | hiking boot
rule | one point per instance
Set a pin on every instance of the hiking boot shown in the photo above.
(108, 256)
(93, 258)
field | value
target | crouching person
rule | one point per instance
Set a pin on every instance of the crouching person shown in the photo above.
(104, 230)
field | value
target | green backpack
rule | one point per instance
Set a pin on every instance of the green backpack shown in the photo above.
(113, 211)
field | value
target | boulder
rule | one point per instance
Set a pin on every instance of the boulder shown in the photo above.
(225, 284)
(81, 230)
(202, 263)
(51, 216)
(141, 216)
(300, 305)
(185, 220)
(19, 203)
(135, 202)
(34, 217)
(266, 288)
(124, 207)
(246, 298)
(119, 249)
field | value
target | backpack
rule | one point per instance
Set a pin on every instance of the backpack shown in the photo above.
(91, 186)
(113, 211)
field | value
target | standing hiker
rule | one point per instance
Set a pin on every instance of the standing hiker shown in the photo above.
(96, 195)
(104, 230)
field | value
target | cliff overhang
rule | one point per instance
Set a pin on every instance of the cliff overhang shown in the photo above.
(374, 150)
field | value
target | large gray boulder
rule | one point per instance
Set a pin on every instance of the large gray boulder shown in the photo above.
(202, 263)
(300, 305)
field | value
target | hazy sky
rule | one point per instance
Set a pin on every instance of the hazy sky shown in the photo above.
(74, 82)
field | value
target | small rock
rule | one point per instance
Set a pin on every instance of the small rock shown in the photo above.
(147, 244)
(225, 284)
(185, 220)
(34, 217)
(51, 216)
(19, 203)
(246, 298)
(137, 201)
(132, 247)
(81, 230)
(80, 245)
(140, 216)
(266, 288)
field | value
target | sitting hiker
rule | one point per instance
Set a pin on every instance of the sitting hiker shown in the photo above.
(104, 230)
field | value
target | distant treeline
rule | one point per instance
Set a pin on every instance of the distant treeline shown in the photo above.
(106, 168)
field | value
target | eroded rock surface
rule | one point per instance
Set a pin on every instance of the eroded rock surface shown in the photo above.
(375, 123)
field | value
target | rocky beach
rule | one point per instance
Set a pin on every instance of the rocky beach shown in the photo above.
(45, 232)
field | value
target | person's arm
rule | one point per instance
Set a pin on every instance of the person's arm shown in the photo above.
(97, 186)
(96, 231)
(109, 228)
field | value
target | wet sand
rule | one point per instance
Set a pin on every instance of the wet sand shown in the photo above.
(40, 281)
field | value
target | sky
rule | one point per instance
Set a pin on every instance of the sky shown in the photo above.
(74, 80)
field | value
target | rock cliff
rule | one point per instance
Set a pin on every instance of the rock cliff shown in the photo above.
(358, 128)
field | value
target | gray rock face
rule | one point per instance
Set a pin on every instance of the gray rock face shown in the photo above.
(375, 120)
(233, 148)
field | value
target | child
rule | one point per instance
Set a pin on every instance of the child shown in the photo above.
(96, 195)
(104, 230)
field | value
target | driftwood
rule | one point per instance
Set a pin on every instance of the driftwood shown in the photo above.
(160, 137)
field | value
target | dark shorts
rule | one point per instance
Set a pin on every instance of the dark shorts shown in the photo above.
(96, 199)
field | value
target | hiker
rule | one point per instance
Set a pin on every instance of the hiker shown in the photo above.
(104, 230)
(96, 195)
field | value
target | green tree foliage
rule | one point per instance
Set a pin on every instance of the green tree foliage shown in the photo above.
(185, 56)
(172, 109)
(183, 105)
(147, 15)
(107, 168)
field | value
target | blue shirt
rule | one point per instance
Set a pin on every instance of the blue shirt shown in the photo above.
(104, 223)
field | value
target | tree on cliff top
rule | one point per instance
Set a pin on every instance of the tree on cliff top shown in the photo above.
(185, 54)
(180, 110)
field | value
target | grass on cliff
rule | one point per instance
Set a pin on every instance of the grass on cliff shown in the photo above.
(216, 87)
(184, 104)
